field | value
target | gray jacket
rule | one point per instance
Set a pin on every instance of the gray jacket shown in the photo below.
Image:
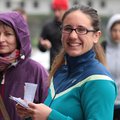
(113, 54)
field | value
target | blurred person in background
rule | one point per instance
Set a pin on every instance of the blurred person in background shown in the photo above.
(22, 12)
(81, 87)
(50, 38)
(16, 67)
(112, 50)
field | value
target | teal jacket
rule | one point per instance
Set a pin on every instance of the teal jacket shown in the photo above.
(82, 90)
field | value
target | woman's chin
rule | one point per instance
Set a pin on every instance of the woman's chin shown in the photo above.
(74, 54)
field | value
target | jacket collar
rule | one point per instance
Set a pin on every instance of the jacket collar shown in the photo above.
(79, 62)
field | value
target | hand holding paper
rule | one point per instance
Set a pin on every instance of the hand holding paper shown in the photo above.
(29, 94)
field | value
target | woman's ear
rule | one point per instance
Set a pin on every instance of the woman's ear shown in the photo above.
(97, 36)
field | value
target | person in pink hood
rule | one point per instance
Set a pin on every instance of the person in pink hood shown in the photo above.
(16, 67)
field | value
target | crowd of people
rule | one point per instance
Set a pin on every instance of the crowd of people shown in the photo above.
(83, 80)
(78, 79)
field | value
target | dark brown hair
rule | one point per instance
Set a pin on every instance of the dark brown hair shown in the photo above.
(92, 13)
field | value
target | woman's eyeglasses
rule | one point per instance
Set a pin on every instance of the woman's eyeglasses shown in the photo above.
(78, 30)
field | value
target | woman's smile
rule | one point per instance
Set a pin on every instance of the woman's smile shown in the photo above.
(74, 44)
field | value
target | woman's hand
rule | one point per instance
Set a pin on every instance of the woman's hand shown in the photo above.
(39, 111)
(35, 111)
(22, 112)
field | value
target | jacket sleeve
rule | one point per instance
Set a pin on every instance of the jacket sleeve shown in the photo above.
(41, 78)
(98, 99)
(55, 115)
(44, 85)
(44, 35)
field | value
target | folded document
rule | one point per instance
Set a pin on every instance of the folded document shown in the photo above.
(19, 101)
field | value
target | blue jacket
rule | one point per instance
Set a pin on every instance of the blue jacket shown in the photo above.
(82, 90)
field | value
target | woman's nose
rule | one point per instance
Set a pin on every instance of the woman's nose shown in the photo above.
(73, 34)
(2, 38)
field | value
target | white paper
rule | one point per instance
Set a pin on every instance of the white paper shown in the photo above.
(29, 94)
(19, 101)
(29, 91)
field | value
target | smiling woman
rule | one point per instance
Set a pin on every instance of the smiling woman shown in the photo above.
(78, 42)
(80, 84)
